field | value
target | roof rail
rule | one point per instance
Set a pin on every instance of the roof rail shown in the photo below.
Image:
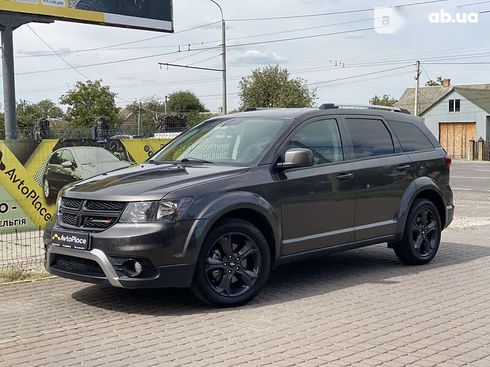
(250, 109)
(331, 106)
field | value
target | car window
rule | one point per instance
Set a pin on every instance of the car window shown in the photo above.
(67, 156)
(410, 136)
(239, 141)
(55, 158)
(323, 138)
(370, 137)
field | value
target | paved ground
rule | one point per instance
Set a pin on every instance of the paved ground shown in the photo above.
(359, 308)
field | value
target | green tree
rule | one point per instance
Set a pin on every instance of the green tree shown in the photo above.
(183, 102)
(89, 101)
(29, 113)
(434, 83)
(385, 100)
(273, 87)
(151, 109)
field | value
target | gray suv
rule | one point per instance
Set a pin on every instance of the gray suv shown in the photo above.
(226, 201)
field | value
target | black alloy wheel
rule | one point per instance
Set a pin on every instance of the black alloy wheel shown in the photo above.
(233, 265)
(422, 234)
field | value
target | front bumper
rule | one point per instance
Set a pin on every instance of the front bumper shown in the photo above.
(166, 276)
(163, 248)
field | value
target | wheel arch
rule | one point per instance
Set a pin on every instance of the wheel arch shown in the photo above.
(421, 188)
(246, 206)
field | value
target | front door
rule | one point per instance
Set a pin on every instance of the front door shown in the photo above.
(317, 202)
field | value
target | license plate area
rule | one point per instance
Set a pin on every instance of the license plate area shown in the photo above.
(71, 240)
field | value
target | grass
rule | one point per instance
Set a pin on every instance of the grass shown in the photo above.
(17, 274)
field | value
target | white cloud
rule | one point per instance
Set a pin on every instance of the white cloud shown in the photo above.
(258, 57)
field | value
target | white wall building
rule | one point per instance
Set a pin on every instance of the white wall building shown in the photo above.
(454, 114)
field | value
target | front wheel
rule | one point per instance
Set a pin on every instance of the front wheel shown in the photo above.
(48, 193)
(422, 234)
(233, 265)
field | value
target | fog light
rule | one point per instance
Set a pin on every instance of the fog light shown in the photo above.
(132, 268)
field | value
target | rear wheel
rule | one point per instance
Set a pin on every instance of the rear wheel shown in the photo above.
(233, 265)
(422, 234)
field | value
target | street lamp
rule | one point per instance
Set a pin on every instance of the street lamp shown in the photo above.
(223, 45)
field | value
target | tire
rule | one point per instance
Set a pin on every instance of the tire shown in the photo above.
(421, 236)
(233, 265)
(48, 193)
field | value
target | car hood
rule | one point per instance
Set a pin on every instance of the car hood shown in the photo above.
(147, 181)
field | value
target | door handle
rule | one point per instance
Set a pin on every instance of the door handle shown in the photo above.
(403, 167)
(345, 176)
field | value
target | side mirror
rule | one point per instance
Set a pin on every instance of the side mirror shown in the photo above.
(67, 164)
(296, 158)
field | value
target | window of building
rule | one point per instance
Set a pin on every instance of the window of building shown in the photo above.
(457, 105)
(454, 105)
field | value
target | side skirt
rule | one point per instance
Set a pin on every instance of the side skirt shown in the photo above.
(328, 250)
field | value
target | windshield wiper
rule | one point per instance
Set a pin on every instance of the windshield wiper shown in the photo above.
(194, 160)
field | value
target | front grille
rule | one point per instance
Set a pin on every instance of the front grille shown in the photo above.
(77, 265)
(110, 206)
(70, 219)
(90, 214)
(98, 222)
(71, 203)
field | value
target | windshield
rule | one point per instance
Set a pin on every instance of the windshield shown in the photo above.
(237, 141)
(95, 155)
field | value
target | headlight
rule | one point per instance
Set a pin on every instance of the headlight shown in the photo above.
(58, 204)
(151, 211)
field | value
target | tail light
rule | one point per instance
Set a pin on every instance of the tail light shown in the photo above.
(448, 160)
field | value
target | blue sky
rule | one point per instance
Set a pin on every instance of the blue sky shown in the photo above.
(332, 63)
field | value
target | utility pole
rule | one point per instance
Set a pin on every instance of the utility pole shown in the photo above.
(223, 50)
(417, 82)
(9, 81)
(139, 117)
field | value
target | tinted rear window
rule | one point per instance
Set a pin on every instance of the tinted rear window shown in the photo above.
(410, 136)
(370, 138)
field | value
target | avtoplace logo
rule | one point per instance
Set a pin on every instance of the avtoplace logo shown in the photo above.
(444, 17)
(24, 190)
(69, 239)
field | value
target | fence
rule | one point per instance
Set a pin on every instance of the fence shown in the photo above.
(479, 150)
(22, 250)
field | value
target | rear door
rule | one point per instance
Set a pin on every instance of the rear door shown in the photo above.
(317, 202)
(382, 174)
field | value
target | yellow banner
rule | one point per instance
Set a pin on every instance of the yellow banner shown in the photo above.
(20, 184)
(52, 8)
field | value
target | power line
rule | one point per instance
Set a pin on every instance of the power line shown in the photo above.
(329, 13)
(361, 75)
(59, 56)
(131, 42)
